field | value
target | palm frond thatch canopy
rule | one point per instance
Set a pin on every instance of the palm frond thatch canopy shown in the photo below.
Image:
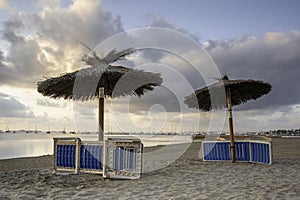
(227, 93)
(83, 84)
(212, 97)
(137, 83)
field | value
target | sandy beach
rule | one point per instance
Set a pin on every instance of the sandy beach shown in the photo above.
(186, 178)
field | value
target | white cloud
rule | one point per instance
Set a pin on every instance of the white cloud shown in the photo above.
(50, 103)
(3, 4)
(48, 43)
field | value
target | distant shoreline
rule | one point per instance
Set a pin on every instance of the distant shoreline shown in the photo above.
(278, 133)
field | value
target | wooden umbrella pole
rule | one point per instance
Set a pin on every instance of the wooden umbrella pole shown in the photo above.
(230, 121)
(101, 114)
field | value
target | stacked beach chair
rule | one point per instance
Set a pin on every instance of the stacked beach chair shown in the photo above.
(245, 151)
(119, 158)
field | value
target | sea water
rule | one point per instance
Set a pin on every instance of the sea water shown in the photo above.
(14, 145)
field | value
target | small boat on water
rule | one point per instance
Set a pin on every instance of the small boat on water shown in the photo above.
(64, 131)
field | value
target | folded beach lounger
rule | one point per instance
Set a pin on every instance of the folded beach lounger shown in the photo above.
(261, 152)
(66, 155)
(91, 154)
(119, 158)
(245, 151)
(123, 158)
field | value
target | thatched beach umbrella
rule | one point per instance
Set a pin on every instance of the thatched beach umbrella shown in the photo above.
(100, 80)
(237, 92)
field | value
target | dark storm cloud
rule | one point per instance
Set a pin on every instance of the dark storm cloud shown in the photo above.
(274, 58)
(161, 96)
(1, 57)
(11, 107)
(10, 30)
(21, 66)
(154, 54)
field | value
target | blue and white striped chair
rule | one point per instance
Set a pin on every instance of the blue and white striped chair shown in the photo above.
(245, 151)
(66, 158)
(91, 154)
(115, 158)
(123, 158)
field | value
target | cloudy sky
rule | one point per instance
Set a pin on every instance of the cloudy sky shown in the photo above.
(200, 41)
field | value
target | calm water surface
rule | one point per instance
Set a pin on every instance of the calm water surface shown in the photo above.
(30, 144)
